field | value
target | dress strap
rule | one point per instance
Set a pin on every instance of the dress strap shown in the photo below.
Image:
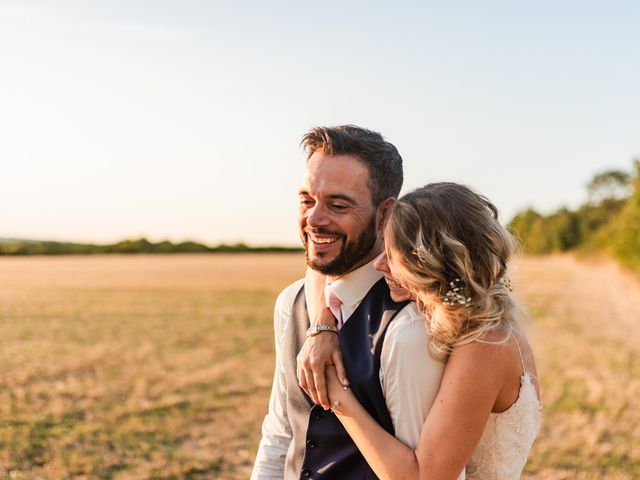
(524, 370)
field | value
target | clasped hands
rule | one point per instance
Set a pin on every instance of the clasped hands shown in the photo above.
(320, 369)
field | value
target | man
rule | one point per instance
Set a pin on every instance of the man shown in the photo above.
(352, 178)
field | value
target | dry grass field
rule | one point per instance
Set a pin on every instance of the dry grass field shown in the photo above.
(136, 367)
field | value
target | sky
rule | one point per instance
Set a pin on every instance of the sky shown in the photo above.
(182, 119)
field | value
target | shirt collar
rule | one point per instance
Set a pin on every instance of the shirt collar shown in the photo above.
(352, 287)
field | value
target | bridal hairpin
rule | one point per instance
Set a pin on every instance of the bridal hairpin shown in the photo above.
(422, 253)
(455, 294)
(506, 281)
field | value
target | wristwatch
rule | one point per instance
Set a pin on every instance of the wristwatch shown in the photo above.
(314, 330)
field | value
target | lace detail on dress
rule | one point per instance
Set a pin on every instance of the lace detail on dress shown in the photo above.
(506, 441)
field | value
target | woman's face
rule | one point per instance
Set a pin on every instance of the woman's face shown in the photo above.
(398, 293)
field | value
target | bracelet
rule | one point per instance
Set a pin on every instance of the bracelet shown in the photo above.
(314, 330)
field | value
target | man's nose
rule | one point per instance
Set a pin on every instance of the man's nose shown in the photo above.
(318, 216)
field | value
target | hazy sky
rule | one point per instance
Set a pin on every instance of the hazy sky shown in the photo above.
(182, 119)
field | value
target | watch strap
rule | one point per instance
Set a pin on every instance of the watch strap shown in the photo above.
(316, 329)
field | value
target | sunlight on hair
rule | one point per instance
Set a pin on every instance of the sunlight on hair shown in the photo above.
(450, 251)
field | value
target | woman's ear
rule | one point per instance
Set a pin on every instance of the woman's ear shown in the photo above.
(383, 211)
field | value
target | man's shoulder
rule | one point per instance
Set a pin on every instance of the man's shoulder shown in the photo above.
(287, 296)
(408, 325)
(408, 314)
(407, 340)
(283, 308)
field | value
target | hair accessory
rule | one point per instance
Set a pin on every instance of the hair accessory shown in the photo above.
(455, 295)
(506, 281)
(422, 253)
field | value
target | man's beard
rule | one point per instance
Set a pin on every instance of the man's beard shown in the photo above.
(350, 254)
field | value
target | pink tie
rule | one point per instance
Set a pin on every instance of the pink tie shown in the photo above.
(333, 302)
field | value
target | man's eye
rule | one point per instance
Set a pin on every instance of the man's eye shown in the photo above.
(338, 206)
(306, 202)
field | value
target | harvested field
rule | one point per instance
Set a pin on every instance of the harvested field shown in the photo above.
(134, 367)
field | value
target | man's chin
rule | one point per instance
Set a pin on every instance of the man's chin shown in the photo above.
(319, 265)
(327, 266)
(319, 260)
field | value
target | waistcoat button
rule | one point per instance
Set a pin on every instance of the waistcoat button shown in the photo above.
(306, 473)
(311, 444)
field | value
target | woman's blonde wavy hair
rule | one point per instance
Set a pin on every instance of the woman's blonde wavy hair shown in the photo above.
(444, 236)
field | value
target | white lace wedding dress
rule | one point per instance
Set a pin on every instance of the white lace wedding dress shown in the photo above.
(508, 436)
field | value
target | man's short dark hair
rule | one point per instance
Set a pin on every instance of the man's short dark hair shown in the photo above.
(379, 156)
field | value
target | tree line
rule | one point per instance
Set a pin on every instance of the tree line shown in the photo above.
(141, 245)
(608, 222)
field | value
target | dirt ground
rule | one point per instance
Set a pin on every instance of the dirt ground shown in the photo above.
(135, 367)
(586, 335)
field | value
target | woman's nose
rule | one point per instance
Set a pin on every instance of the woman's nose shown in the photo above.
(381, 264)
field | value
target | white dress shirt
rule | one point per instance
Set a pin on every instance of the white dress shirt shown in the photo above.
(409, 376)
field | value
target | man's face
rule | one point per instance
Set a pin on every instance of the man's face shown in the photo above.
(336, 214)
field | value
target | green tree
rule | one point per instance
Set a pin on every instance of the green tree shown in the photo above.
(625, 231)
(563, 230)
(529, 228)
(609, 185)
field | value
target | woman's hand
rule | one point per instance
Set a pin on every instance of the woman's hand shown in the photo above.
(341, 397)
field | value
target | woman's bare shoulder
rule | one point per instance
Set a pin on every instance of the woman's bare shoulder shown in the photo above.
(490, 355)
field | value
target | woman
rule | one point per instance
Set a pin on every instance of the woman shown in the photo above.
(446, 248)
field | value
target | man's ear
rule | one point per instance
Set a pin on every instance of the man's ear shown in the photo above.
(383, 211)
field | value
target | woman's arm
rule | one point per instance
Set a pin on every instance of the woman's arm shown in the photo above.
(471, 383)
(386, 455)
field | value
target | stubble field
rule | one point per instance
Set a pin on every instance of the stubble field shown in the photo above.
(136, 367)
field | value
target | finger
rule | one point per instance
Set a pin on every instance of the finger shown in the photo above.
(321, 389)
(299, 372)
(302, 380)
(299, 366)
(342, 372)
(311, 386)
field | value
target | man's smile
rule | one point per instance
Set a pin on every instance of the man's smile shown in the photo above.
(322, 239)
(322, 243)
